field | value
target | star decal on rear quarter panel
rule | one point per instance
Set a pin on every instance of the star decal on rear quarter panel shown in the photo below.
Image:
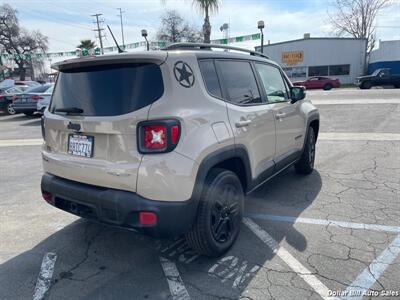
(184, 74)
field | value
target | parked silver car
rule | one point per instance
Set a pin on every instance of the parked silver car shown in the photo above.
(44, 100)
(27, 102)
(169, 142)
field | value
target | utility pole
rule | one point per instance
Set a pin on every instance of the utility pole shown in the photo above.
(122, 26)
(99, 30)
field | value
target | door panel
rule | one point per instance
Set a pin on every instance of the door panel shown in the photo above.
(289, 129)
(254, 127)
(289, 121)
(251, 120)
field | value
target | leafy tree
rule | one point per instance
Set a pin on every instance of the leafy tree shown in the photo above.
(16, 40)
(87, 44)
(356, 18)
(175, 29)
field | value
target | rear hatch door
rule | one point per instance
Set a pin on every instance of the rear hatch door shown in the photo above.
(90, 126)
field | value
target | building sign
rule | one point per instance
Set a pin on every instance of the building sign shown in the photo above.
(292, 57)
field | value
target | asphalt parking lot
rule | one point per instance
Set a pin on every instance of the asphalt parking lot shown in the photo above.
(335, 233)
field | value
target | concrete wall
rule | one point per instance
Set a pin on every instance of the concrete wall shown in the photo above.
(323, 52)
(386, 56)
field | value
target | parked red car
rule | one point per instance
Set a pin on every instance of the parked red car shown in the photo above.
(319, 82)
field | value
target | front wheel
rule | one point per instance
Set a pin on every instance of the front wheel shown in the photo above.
(306, 163)
(10, 109)
(219, 214)
(366, 85)
(327, 87)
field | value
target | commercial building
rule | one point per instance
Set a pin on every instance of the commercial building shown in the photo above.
(386, 56)
(342, 58)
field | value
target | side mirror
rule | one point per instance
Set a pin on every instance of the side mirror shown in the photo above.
(297, 93)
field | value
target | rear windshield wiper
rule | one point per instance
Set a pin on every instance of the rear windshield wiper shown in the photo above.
(69, 110)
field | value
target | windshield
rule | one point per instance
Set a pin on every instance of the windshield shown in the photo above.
(376, 72)
(108, 90)
(38, 89)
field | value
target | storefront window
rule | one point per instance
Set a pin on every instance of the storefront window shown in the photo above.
(293, 72)
(339, 70)
(333, 70)
(318, 71)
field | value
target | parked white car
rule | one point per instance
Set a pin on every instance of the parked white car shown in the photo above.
(44, 102)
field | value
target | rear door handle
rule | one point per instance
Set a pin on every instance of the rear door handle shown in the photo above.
(280, 115)
(243, 123)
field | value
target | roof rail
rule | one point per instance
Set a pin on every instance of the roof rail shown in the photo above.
(201, 46)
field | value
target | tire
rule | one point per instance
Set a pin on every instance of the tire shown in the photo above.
(219, 214)
(10, 109)
(28, 113)
(366, 85)
(306, 163)
(327, 87)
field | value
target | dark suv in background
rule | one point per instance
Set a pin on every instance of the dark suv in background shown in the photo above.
(379, 77)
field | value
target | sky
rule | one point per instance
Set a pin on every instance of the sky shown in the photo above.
(67, 22)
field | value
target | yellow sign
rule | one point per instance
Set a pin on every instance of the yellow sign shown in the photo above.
(292, 57)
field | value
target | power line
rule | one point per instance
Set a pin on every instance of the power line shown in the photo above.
(53, 19)
(122, 26)
(99, 31)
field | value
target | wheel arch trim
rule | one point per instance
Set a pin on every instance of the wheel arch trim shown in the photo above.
(237, 151)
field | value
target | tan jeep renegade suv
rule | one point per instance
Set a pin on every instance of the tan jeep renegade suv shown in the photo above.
(169, 142)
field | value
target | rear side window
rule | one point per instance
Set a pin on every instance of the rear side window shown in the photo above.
(239, 82)
(108, 90)
(210, 77)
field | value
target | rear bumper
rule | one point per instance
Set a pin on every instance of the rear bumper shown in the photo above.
(28, 107)
(119, 208)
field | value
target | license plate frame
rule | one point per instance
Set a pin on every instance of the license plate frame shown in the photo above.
(76, 139)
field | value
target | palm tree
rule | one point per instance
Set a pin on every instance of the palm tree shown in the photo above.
(87, 44)
(207, 7)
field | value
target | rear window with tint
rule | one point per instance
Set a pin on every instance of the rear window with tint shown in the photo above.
(210, 77)
(239, 81)
(108, 90)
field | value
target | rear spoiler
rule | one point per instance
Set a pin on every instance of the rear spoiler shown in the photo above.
(157, 57)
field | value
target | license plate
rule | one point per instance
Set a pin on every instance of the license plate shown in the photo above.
(80, 145)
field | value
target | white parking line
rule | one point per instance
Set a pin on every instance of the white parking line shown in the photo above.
(294, 264)
(352, 225)
(20, 142)
(359, 136)
(355, 101)
(175, 283)
(46, 273)
(372, 273)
